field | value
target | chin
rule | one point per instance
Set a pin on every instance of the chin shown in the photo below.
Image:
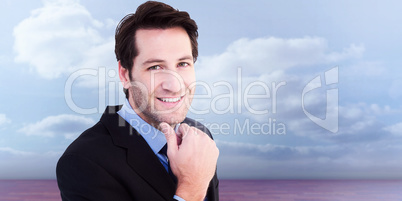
(171, 119)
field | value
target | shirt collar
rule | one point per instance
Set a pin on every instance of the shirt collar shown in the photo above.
(155, 138)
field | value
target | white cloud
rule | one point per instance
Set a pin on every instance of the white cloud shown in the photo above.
(4, 120)
(15, 152)
(62, 37)
(359, 116)
(266, 55)
(395, 129)
(271, 61)
(70, 126)
(353, 51)
(366, 69)
(358, 124)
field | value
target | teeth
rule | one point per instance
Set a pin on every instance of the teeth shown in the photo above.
(170, 100)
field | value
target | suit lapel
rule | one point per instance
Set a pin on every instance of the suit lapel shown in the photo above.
(140, 156)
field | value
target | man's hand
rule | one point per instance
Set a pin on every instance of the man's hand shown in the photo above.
(193, 161)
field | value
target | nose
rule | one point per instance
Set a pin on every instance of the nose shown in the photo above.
(172, 82)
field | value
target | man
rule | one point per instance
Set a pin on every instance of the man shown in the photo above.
(124, 156)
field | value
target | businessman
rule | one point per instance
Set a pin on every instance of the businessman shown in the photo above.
(146, 149)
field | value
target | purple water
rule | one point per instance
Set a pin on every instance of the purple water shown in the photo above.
(249, 190)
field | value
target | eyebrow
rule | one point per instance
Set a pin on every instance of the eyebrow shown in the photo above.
(188, 57)
(150, 61)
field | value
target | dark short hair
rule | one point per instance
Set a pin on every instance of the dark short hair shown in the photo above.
(149, 15)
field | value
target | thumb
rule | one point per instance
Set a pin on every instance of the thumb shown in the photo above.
(170, 137)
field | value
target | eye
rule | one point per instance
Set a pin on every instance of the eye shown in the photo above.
(183, 64)
(156, 67)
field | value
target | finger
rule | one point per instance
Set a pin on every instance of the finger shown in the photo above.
(170, 136)
(178, 136)
(183, 130)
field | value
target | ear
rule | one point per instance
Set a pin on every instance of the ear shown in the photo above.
(124, 76)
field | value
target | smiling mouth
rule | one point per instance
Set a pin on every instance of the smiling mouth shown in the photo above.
(170, 100)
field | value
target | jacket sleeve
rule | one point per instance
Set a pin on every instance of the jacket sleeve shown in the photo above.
(81, 179)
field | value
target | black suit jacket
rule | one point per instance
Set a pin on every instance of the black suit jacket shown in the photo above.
(112, 162)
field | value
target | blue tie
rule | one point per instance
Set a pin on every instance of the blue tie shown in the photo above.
(163, 151)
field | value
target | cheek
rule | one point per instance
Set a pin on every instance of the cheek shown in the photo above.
(189, 79)
(145, 82)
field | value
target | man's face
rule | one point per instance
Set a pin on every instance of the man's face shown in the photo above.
(163, 77)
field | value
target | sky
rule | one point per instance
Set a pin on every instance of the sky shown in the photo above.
(289, 89)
